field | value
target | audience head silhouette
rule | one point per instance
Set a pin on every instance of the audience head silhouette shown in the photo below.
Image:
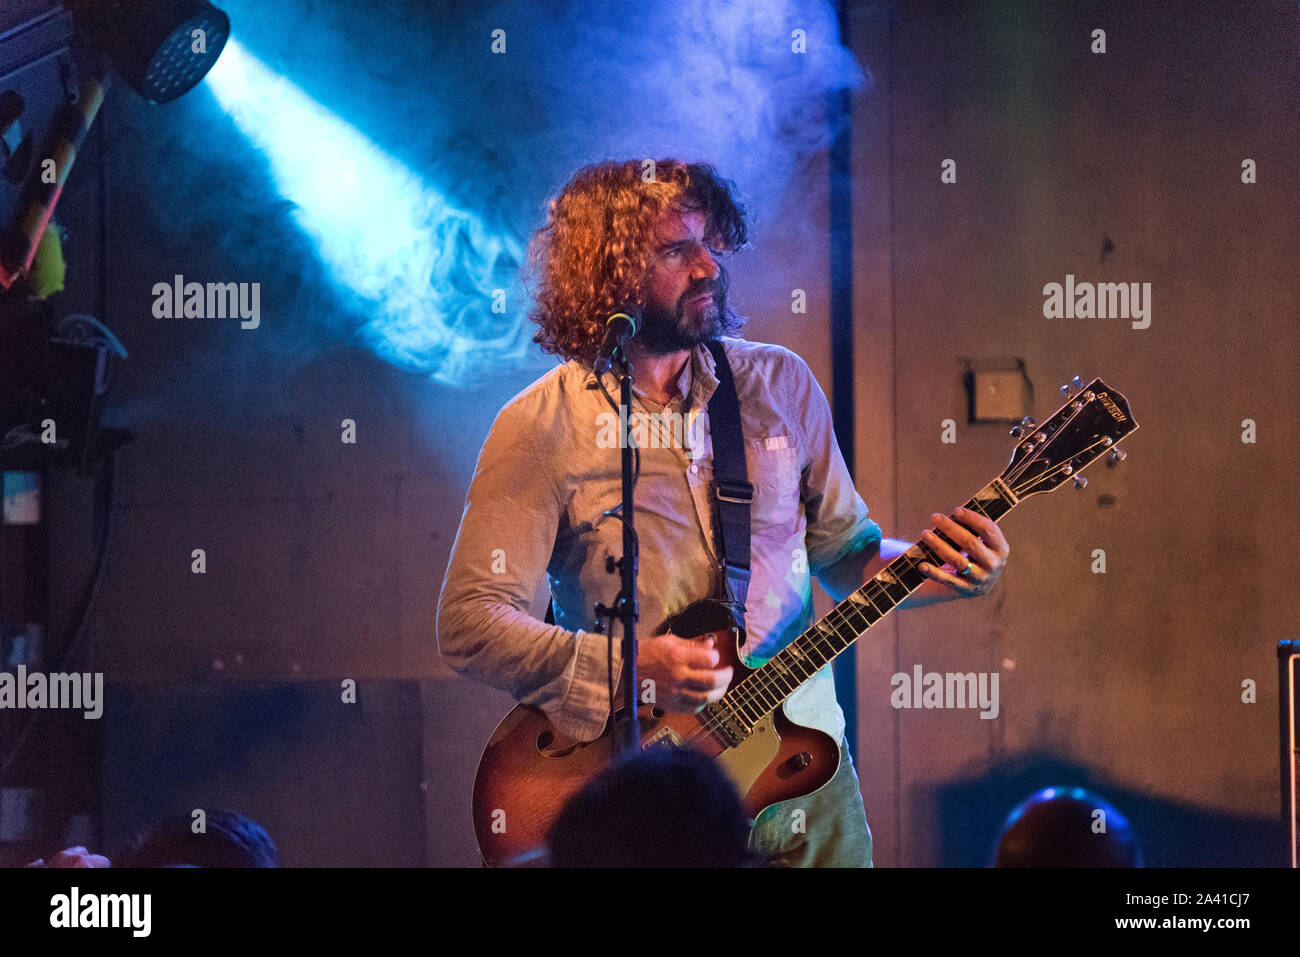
(1067, 827)
(229, 839)
(664, 807)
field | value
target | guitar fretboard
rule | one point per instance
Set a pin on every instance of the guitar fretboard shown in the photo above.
(766, 688)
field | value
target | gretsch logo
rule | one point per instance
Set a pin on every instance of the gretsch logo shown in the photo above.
(1112, 408)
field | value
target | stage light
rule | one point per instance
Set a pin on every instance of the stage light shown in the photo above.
(429, 276)
(161, 48)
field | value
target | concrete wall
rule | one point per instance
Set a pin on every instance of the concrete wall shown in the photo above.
(1128, 682)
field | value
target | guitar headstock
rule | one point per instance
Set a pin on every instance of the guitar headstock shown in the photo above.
(1091, 423)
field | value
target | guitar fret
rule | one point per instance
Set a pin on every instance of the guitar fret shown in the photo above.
(782, 674)
(800, 658)
(931, 555)
(812, 651)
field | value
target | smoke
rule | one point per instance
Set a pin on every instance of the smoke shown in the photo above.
(380, 168)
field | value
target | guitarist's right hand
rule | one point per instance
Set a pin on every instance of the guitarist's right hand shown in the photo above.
(685, 672)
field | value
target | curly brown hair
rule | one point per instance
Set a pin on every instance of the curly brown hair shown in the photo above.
(594, 253)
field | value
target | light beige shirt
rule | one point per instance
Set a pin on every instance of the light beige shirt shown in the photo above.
(550, 467)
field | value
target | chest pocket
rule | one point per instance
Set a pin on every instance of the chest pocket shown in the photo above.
(776, 481)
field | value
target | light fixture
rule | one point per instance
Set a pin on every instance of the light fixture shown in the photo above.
(161, 48)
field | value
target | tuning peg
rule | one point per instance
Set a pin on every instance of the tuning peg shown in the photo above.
(1071, 387)
(1066, 390)
(1080, 481)
(1019, 429)
(1077, 383)
(1117, 456)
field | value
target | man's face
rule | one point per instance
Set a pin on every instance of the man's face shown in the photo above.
(687, 295)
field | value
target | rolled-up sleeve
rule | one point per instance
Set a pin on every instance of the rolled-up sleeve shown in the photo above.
(499, 559)
(838, 523)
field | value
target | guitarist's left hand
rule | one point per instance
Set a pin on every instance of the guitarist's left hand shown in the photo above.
(971, 574)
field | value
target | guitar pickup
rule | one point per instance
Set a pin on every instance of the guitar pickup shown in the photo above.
(724, 725)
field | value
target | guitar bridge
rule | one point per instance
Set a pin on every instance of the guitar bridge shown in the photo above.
(662, 738)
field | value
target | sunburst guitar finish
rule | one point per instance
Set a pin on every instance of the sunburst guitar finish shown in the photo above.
(529, 769)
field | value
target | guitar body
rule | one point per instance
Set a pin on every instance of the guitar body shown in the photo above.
(529, 769)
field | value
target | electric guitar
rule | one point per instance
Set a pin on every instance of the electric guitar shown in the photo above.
(529, 769)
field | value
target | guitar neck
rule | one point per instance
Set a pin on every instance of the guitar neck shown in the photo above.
(798, 661)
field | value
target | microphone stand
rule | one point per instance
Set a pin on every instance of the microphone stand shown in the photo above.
(627, 737)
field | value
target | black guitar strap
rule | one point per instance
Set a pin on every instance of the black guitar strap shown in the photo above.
(731, 485)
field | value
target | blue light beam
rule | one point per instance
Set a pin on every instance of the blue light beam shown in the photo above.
(426, 274)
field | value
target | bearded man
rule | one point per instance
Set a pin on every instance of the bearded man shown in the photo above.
(615, 238)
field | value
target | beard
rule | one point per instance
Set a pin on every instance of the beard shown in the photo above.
(688, 324)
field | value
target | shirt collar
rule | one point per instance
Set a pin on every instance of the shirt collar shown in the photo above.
(706, 378)
(700, 373)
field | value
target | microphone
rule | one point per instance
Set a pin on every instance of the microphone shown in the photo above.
(619, 328)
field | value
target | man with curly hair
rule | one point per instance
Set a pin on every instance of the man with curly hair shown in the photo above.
(653, 235)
